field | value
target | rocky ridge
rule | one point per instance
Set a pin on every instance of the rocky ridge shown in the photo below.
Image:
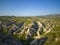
(35, 30)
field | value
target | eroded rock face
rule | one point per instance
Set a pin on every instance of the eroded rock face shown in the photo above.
(36, 29)
(20, 24)
(8, 40)
(32, 30)
(40, 41)
(15, 28)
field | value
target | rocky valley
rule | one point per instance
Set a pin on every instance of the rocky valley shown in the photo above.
(43, 30)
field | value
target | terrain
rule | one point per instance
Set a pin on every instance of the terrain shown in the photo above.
(33, 30)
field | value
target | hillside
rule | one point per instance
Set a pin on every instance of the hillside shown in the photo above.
(36, 30)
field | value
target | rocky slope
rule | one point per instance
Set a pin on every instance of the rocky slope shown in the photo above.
(35, 30)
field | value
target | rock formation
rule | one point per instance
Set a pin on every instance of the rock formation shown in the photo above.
(35, 30)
